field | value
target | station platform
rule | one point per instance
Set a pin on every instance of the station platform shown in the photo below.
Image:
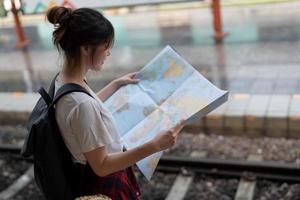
(244, 114)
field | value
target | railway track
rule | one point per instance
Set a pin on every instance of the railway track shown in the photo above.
(250, 173)
(268, 170)
(10, 156)
(14, 149)
(187, 169)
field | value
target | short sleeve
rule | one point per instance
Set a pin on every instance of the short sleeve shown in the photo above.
(88, 127)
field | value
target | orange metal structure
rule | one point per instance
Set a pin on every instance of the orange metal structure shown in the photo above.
(22, 40)
(217, 21)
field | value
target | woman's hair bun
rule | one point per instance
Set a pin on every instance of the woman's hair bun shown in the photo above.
(59, 15)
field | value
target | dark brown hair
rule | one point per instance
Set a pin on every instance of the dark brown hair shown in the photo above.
(75, 28)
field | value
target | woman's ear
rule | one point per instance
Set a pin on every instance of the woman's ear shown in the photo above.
(85, 50)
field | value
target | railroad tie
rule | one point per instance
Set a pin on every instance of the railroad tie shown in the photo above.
(183, 182)
(246, 188)
(18, 185)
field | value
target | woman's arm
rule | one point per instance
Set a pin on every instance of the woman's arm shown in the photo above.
(104, 164)
(109, 89)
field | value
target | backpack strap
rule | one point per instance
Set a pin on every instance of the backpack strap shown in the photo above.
(52, 86)
(68, 88)
(45, 96)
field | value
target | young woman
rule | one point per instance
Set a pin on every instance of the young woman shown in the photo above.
(85, 38)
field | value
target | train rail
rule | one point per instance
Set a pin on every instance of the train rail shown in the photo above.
(191, 166)
(269, 170)
(10, 148)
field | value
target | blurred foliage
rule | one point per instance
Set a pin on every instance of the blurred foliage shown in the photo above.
(2, 10)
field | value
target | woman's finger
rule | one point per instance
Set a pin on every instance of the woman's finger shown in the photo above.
(129, 81)
(132, 75)
(177, 128)
(183, 122)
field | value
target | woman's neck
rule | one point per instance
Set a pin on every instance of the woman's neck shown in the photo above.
(72, 76)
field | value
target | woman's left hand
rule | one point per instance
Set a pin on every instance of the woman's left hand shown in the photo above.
(127, 79)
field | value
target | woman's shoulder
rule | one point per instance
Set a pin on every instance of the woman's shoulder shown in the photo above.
(76, 105)
(76, 98)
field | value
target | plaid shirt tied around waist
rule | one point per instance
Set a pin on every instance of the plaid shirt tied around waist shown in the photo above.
(121, 185)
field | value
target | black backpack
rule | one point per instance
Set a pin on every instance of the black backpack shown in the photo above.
(54, 171)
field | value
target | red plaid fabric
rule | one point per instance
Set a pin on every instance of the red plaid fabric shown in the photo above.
(121, 185)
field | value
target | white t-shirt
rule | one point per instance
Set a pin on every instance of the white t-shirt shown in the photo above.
(85, 124)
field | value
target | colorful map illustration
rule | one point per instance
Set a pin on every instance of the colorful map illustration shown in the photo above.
(169, 90)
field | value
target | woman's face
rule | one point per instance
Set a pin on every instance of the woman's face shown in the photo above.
(100, 55)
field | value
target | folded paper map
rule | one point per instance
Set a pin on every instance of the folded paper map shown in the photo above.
(169, 90)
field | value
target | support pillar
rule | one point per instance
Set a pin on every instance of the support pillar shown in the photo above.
(217, 21)
(22, 40)
(28, 74)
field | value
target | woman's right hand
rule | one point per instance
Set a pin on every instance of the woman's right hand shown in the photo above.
(167, 139)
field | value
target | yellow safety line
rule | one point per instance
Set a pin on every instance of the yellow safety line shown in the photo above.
(17, 94)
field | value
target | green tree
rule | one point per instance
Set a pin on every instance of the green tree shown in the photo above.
(2, 10)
